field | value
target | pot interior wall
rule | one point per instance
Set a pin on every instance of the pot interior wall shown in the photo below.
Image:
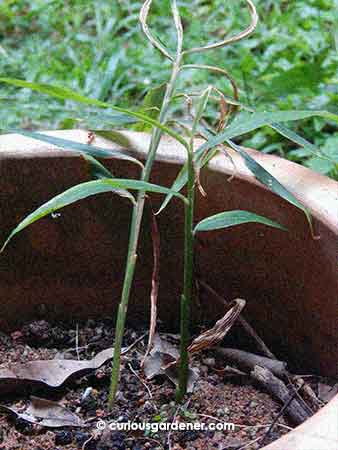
(71, 266)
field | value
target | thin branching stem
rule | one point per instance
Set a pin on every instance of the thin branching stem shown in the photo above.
(139, 207)
(145, 28)
(189, 210)
(217, 70)
(186, 298)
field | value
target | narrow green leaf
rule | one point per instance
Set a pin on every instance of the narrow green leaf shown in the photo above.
(294, 137)
(268, 180)
(98, 171)
(202, 104)
(151, 105)
(117, 137)
(251, 121)
(77, 146)
(231, 218)
(68, 94)
(201, 159)
(182, 178)
(289, 134)
(100, 118)
(85, 190)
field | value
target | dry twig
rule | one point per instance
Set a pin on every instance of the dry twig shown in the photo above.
(278, 389)
(155, 281)
(246, 361)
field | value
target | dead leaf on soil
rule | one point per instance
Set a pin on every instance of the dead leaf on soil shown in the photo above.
(164, 357)
(46, 413)
(162, 354)
(161, 361)
(172, 373)
(49, 373)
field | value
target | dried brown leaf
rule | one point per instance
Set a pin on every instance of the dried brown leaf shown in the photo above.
(161, 354)
(49, 373)
(224, 111)
(46, 413)
(162, 360)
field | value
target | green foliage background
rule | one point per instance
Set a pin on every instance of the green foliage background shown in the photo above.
(96, 48)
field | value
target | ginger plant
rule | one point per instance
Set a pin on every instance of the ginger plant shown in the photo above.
(177, 68)
(189, 174)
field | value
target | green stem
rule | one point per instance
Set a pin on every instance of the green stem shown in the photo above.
(135, 233)
(186, 298)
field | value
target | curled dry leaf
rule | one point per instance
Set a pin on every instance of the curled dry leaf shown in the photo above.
(213, 336)
(50, 373)
(163, 358)
(46, 413)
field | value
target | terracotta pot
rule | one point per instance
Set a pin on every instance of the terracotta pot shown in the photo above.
(72, 265)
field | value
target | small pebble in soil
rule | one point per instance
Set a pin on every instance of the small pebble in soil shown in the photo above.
(188, 436)
(63, 438)
(23, 426)
(148, 406)
(120, 397)
(86, 393)
(89, 399)
(81, 438)
(122, 419)
(209, 362)
(233, 444)
(110, 441)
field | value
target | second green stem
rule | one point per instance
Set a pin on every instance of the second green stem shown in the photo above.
(188, 280)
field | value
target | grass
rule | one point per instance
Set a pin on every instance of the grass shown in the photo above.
(96, 48)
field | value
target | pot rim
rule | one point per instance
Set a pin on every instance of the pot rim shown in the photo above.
(316, 192)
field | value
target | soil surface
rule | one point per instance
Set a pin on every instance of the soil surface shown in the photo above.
(217, 397)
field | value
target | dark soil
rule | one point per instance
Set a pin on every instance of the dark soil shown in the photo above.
(222, 397)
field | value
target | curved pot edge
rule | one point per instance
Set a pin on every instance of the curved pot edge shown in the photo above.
(319, 432)
(317, 192)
